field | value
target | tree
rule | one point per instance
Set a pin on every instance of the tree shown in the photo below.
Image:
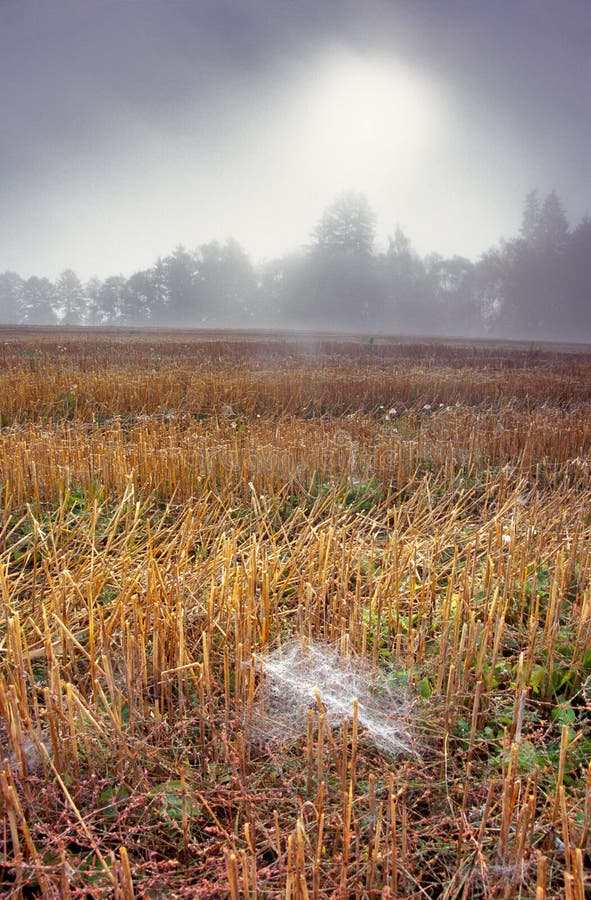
(544, 226)
(226, 283)
(37, 302)
(158, 288)
(288, 285)
(347, 226)
(455, 309)
(341, 272)
(400, 248)
(407, 303)
(93, 313)
(530, 218)
(272, 284)
(552, 226)
(111, 300)
(71, 298)
(577, 275)
(11, 286)
(489, 288)
(144, 298)
(534, 301)
(180, 285)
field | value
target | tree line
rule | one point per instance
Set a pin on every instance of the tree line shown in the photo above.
(535, 285)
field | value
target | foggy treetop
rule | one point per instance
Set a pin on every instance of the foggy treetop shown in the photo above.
(130, 126)
(536, 285)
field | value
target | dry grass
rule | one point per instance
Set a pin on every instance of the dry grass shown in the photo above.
(172, 509)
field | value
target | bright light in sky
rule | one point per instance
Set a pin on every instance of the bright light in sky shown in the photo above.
(342, 122)
(132, 127)
(261, 165)
(366, 113)
(266, 163)
(357, 122)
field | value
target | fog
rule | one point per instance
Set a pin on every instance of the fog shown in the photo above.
(134, 127)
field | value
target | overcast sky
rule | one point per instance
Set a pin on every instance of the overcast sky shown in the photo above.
(130, 126)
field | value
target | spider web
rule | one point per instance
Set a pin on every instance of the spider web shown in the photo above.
(296, 674)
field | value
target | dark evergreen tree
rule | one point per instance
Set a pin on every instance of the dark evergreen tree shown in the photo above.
(347, 226)
(341, 271)
(530, 218)
(552, 231)
(534, 302)
(577, 269)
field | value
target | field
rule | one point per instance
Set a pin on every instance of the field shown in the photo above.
(410, 522)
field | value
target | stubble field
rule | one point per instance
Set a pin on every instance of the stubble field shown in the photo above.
(293, 617)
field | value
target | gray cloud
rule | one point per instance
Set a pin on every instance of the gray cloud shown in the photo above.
(131, 125)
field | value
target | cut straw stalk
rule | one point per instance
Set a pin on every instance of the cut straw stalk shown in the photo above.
(246, 535)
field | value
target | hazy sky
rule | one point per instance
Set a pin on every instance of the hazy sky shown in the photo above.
(130, 126)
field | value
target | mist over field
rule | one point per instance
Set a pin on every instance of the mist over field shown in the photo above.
(408, 167)
(295, 449)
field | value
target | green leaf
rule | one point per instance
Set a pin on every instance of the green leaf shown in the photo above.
(527, 757)
(564, 714)
(170, 794)
(110, 797)
(538, 674)
(424, 688)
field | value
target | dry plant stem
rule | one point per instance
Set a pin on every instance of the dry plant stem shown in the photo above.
(127, 881)
(170, 525)
(564, 739)
(346, 838)
(79, 818)
(232, 873)
(587, 811)
(394, 875)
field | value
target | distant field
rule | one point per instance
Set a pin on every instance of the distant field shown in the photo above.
(89, 334)
(178, 507)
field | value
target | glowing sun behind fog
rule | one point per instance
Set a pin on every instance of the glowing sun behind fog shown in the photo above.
(366, 120)
(340, 121)
(261, 163)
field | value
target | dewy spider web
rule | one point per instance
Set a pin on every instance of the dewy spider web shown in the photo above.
(295, 673)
